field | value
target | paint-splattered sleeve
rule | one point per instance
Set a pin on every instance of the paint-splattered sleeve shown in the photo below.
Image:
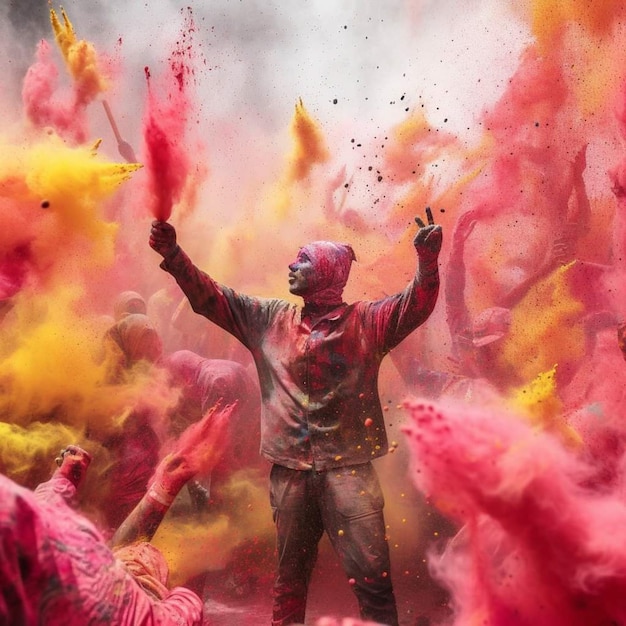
(242, 316)
(393, 318)
(181, 607)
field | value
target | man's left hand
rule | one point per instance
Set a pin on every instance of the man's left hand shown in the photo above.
(428, 239)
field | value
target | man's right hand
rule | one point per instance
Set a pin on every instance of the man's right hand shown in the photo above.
(163, 238)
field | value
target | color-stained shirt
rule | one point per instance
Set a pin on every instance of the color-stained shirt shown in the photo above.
(318, 377)
(56, 569)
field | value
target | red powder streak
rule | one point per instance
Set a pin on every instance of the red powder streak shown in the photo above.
(166, 160)
(167, 172)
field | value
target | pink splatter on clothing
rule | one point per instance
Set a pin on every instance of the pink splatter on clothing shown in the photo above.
(55, 568)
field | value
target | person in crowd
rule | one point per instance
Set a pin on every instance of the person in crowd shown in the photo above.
(132, 350)
(56, 567)
(204, 383)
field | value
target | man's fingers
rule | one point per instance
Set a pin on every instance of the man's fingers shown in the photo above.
(427, 231)
(429, 216)
(432, 229)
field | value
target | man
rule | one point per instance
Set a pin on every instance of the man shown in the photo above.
(322, 423)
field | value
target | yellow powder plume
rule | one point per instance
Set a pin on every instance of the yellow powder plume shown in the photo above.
(309, 149)
(54, 169)
(594, 72)
(73, 182)
(80, 57)
(549, 17)
(541, 405)
(194, 546)
(585, 39)
(294, 188)
(582, 34)
(309, 144)
(27, 454)
(546, 328)
(52, 370)
(48, 362)
(69, 183)
(538, 399)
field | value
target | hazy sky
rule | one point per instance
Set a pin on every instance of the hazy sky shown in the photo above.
(348, 60)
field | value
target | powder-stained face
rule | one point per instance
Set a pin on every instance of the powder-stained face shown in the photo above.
(320, 271)
(301, 273)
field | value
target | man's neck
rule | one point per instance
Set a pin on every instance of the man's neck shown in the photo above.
(316, 309)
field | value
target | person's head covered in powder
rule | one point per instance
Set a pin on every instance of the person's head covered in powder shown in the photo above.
(320, 272)
(128, 303)
(131, 341)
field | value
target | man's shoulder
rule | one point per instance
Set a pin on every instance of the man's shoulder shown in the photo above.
(273, 306)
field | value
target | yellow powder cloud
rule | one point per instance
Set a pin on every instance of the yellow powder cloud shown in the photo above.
(80, 57)
(309, 145)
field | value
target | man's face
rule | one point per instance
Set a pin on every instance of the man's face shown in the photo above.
(301, 275)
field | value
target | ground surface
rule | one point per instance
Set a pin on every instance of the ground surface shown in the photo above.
(417, 596)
